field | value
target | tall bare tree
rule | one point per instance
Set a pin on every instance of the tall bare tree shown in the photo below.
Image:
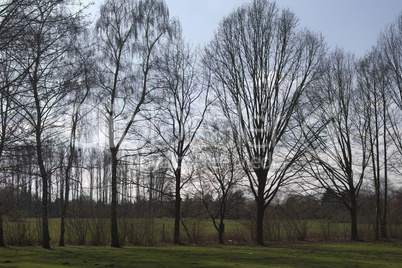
(262, 63)
(129, 33)
(389, 46)
(10, 121)
(340, 155)
(375, 83)
(181, 112)
(42, 55)
(80, 89)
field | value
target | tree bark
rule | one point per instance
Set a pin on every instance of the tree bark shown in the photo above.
(44, 176)
(2, 244)
(383, 223)
(64, 208)
(177, 204)
(377, 217)
(114, 227)
(260, 222)
(45, 224)
(353, 216)
(221, 231)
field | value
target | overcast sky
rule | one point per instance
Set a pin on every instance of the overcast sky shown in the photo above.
(350, 24)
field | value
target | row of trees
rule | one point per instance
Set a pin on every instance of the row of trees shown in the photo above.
(264, 108)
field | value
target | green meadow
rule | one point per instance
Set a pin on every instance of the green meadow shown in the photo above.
(159, 231)
(293, 255)
(148, 243)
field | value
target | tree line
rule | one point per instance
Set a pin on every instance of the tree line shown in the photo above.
(125, 112)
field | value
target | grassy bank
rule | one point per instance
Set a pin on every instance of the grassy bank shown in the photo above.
(296, 255)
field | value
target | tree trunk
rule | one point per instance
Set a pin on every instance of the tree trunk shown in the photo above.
(377, 215)
(66, 195)
(260, 222)
(383, 226)
(2, 244)
(62, 224)
(114, 229)
(177, 205)
(41, 164)
(64, 209)
(43, 173)
(221, 231)
(353, 217)
(45, 224)
(383, 223)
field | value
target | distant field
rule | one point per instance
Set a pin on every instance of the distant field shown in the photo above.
(159, 231)
(295, 255)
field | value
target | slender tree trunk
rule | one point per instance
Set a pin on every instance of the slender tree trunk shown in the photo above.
(2, 244)
(378, 204)
(114, 227)
(38, 127)
(91, 184)
(44, 175)
(377, 216)
(67, 185)
(383, 223)
(64, 208)
(62, 220)
(177, 205)
(45, 224)
(378, 177)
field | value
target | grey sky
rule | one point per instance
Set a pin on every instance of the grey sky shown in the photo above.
(350, 24)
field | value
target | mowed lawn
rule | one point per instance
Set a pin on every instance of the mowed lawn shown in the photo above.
(295, 255)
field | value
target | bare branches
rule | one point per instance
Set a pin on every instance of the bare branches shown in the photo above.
(129, 32)
(262, 64)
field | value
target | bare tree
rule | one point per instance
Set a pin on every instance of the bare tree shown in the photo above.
(389, 46)
(375, 82)
(340, 155)
(12, 25)
(129, 33)
(48, 38)
(10, 121)
(80, 89)
(261, 64)
(181, 112)
(219, 172)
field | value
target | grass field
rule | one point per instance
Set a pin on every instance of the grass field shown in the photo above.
(159, 231)
(295, 255)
